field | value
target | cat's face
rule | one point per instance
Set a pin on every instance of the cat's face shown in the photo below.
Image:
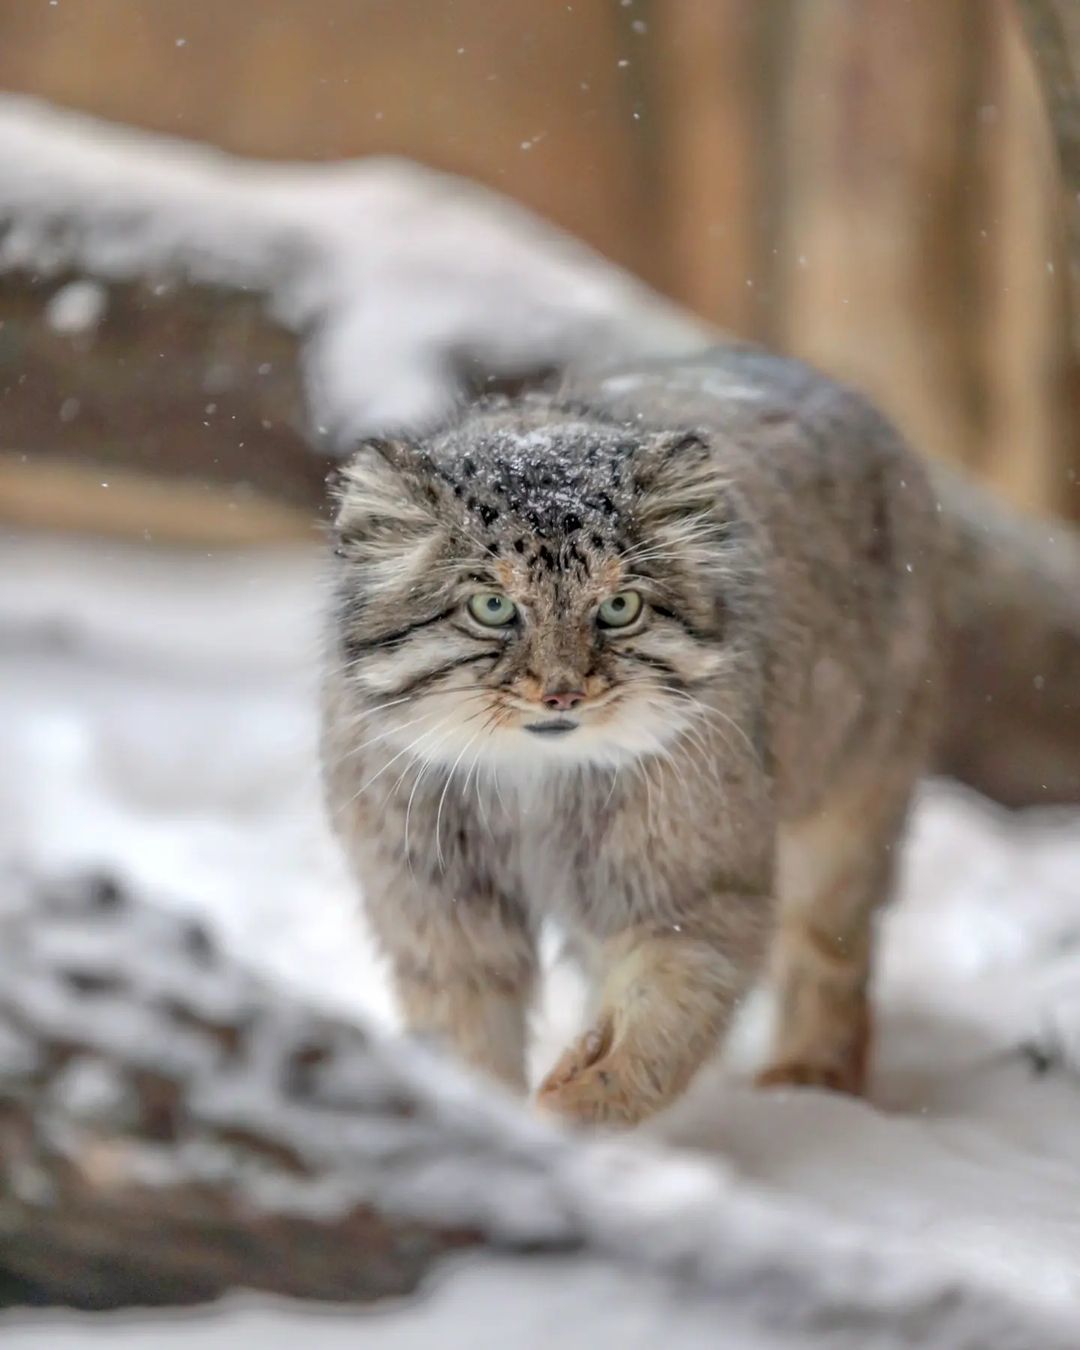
(532, 588)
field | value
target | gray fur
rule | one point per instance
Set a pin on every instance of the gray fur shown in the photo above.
(780, 683)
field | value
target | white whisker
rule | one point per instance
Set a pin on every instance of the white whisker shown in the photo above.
(428, 762)
(364, 786)
(374, 740)
(706, 710)
(356, 718)
(442, 800)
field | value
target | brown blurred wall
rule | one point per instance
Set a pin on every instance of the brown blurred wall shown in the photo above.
(526, 97)
(866, 183)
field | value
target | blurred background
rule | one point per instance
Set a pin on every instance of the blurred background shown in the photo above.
(866, 184)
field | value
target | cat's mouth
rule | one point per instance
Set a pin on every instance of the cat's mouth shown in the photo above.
(553, 726)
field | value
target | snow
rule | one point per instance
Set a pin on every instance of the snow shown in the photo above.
(158, 718)
(77, 307)
(576, 1303)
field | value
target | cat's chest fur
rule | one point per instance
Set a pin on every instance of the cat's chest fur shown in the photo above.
(592, 851)
(547, 843)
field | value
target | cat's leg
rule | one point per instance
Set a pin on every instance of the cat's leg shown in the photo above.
(835, 871)
(666, 997)
(463, 971)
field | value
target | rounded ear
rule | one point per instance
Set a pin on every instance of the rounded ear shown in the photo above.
(667, 448)
(676, 475)
(342, 474)
(335, 485)
(378, 483)
(384, 511)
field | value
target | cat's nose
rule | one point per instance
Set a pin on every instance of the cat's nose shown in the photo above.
(562, 700)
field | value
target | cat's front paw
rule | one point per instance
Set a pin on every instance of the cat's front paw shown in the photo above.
(838, 1060)
(592, 1084)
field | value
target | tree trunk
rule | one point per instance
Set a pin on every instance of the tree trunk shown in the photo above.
(169, 1132)
(879, 124)
(1053, 30)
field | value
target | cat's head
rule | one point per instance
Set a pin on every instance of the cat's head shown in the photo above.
(534, 586)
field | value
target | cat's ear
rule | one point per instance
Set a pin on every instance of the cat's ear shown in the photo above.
(386, 518)
(676, 476)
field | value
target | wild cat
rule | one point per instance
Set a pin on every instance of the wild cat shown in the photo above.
(653, 656)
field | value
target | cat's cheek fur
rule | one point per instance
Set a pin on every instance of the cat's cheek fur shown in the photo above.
(665, 650)
(412, 667)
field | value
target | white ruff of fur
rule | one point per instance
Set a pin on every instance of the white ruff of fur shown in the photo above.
(462, 730)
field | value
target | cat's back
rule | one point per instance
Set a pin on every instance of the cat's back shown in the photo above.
(824, 472)
(787, 417)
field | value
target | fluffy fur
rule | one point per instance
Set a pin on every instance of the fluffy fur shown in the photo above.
(737, 762)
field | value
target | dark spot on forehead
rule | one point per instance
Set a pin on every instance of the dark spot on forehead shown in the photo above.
(545, 556)
(554, 470)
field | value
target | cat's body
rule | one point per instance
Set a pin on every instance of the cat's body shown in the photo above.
(692, 742)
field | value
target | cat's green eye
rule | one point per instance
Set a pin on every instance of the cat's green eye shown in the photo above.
(619, 611)
(492, 609)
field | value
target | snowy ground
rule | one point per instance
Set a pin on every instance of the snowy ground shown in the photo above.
(157, 717)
